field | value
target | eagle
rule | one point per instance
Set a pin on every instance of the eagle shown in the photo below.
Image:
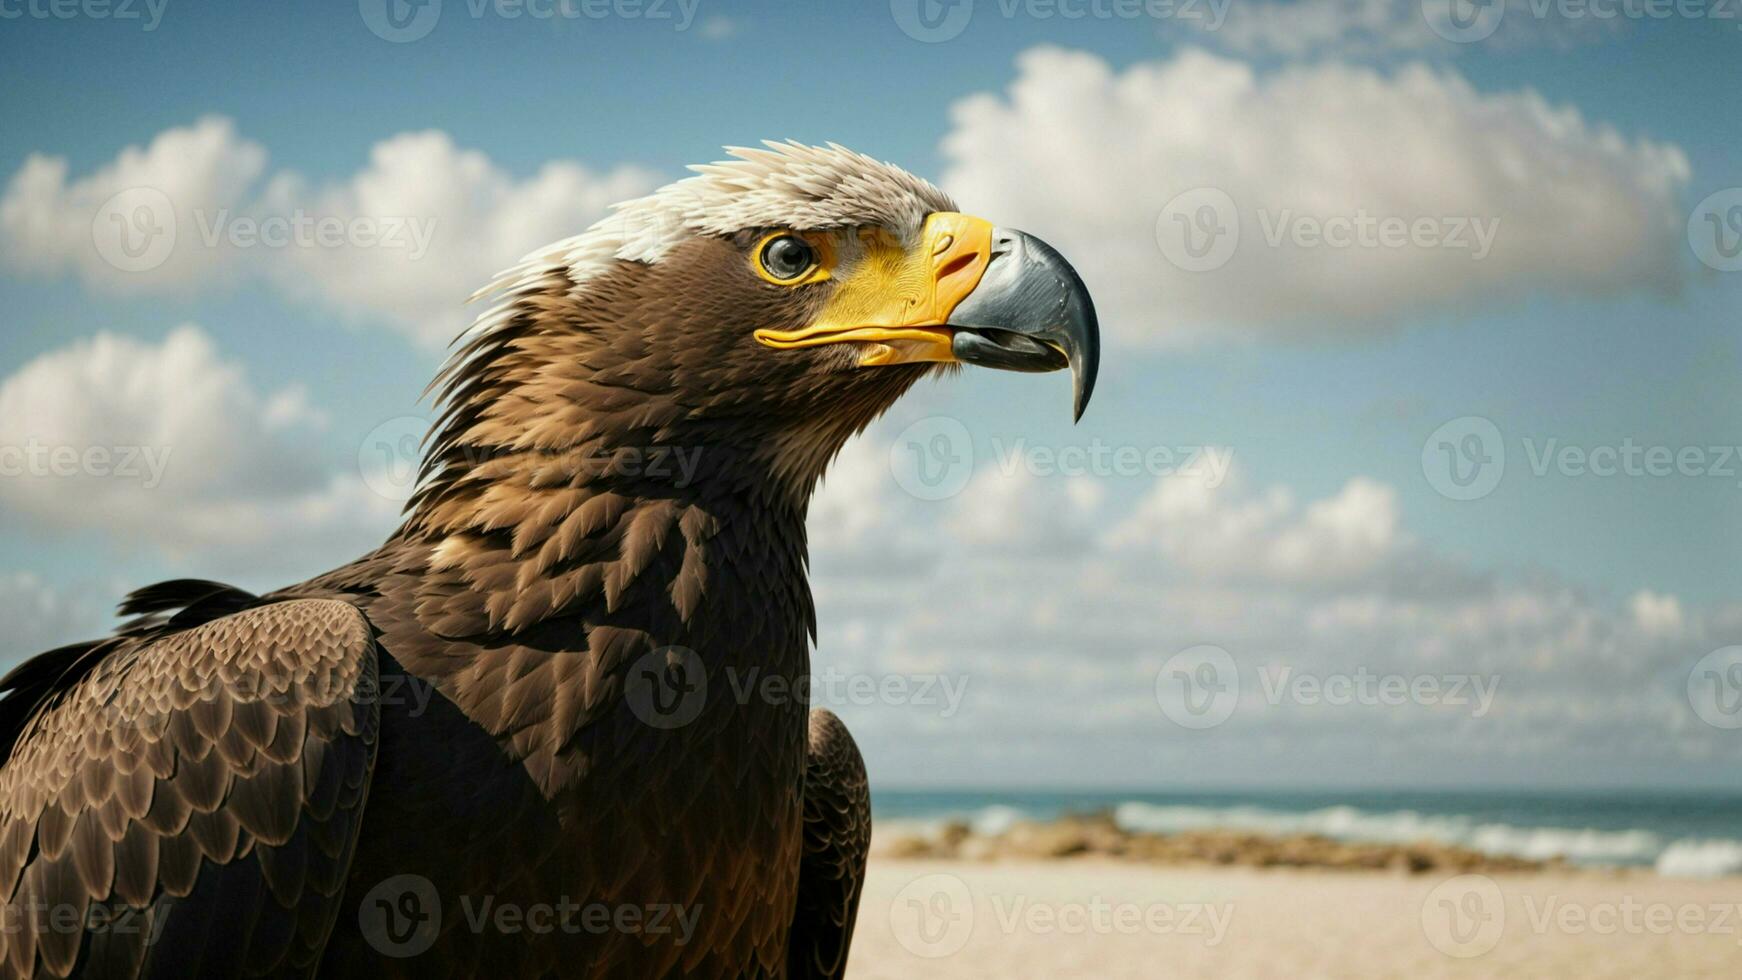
(531, 734)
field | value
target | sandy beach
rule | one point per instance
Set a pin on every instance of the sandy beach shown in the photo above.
(1094, 917)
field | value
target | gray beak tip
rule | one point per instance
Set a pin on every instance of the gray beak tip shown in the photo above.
(1085, 364)
(1031, 312)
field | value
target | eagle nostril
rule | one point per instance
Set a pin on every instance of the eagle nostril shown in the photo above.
(957, 264)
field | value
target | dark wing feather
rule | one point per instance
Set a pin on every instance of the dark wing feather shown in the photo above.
(187, 804)
(181, 593)
(837, 838)
(45, 676)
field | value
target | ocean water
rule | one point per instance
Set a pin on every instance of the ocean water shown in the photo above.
(1676, 833)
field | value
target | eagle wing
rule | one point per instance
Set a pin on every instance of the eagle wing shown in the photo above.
(183, 801)
(837, 838)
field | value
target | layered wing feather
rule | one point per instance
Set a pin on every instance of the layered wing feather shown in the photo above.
(837, 839)
(184, 802)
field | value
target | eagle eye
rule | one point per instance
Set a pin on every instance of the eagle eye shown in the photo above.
(786, 258)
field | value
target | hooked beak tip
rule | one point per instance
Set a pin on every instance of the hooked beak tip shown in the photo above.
(1030, 312)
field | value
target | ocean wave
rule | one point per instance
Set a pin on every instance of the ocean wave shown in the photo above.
(1701, 858)
(1582, 846)
(988, 821)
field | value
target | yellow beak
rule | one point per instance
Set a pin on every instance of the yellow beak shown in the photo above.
(897, 302)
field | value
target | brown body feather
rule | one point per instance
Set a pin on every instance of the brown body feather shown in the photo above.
(505, 761)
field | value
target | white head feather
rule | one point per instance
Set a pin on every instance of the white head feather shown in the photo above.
(784, 185)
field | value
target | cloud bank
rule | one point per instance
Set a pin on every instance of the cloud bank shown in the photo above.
(1201, 197)
(403, 241)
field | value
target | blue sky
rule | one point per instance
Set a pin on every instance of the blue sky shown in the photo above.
(1313, 369)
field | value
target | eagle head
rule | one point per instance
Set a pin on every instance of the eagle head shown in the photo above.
(766, 308)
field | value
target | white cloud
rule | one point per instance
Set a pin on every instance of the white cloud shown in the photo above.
(1058, 607)
(403, 241)
(1218, 533)
(476, 216)
(1656, 614)
(1090, 158)
(170, 445)
(1024, 512)
(50, 225)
